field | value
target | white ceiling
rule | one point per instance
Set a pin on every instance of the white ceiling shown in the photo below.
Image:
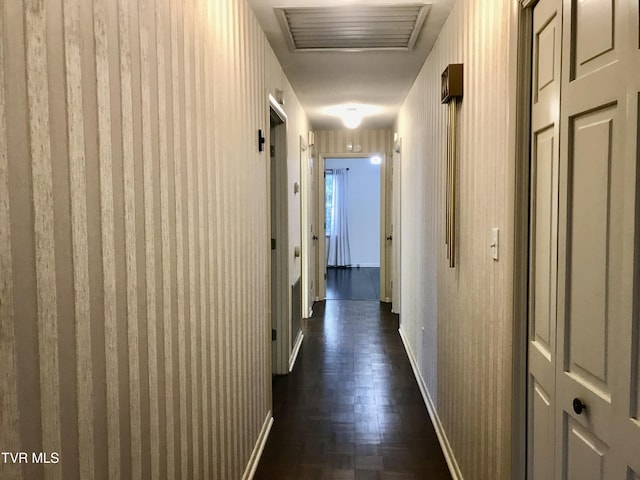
(380, 78)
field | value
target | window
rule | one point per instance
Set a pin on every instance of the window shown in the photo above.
(328, 196)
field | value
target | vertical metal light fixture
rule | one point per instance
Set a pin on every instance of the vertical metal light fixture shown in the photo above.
(451, 94)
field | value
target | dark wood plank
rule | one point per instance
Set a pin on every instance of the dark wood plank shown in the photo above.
(351, 408)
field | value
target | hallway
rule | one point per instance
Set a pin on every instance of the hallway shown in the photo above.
(351, 408)
(163, 237)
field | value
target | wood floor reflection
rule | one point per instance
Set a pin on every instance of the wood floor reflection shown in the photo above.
(351, 409)
(353, 283)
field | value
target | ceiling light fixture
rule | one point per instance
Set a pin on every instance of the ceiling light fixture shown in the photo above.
(351, 118)
(352, 114)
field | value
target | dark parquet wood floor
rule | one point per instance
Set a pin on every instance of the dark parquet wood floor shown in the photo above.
(351, 409)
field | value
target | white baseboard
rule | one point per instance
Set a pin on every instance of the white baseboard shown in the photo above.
(250, 471)
(433, 413)
(296, 349)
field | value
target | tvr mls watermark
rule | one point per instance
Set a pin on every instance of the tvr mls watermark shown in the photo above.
(33, 457)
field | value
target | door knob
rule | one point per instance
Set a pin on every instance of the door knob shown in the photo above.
(389, 237)
(578, 406)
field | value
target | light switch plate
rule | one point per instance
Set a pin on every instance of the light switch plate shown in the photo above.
(495, 237)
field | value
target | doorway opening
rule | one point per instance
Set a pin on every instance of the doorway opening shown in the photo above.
(281, 345)
(352, 211)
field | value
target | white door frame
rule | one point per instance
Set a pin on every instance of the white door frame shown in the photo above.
(396, 227)
(279, 269)
(322, 247)
(306, 223)
(520, 146)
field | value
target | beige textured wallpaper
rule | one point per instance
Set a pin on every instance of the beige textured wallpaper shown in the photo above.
(134, 277)
(457, 322)
(370, 141)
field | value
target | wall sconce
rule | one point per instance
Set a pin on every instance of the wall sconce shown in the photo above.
(451, 94)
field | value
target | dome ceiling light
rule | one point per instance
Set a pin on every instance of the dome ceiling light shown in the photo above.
(351, 118)
(352, 114)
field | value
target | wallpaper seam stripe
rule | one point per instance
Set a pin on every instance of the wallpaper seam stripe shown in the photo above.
(204, 252)
(76, 140)
(209, 319)
(9, 420)
(212, 253)
(220, 131)
(244, 294)
(235, 234)
(176, 126)
(40, 149)
(192, 392)
(149, 224)
(220, 244)
(165, 239)
(130, 239)
(108, 239)
(229, 259)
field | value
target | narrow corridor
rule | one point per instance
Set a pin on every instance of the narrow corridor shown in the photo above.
(351, 409)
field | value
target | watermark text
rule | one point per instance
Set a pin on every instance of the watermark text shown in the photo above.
(32, 457)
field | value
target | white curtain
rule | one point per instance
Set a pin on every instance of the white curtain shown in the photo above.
(339, 254)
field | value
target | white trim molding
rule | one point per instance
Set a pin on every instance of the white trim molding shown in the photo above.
(521, 54)
(296, 349)
(273, 103)
(254, 459)
(452, 463)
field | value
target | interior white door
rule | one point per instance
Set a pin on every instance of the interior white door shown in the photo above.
(584, 249)
(545, 151)
(597, 243)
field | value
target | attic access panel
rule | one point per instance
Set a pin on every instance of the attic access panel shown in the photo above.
(353, 27)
